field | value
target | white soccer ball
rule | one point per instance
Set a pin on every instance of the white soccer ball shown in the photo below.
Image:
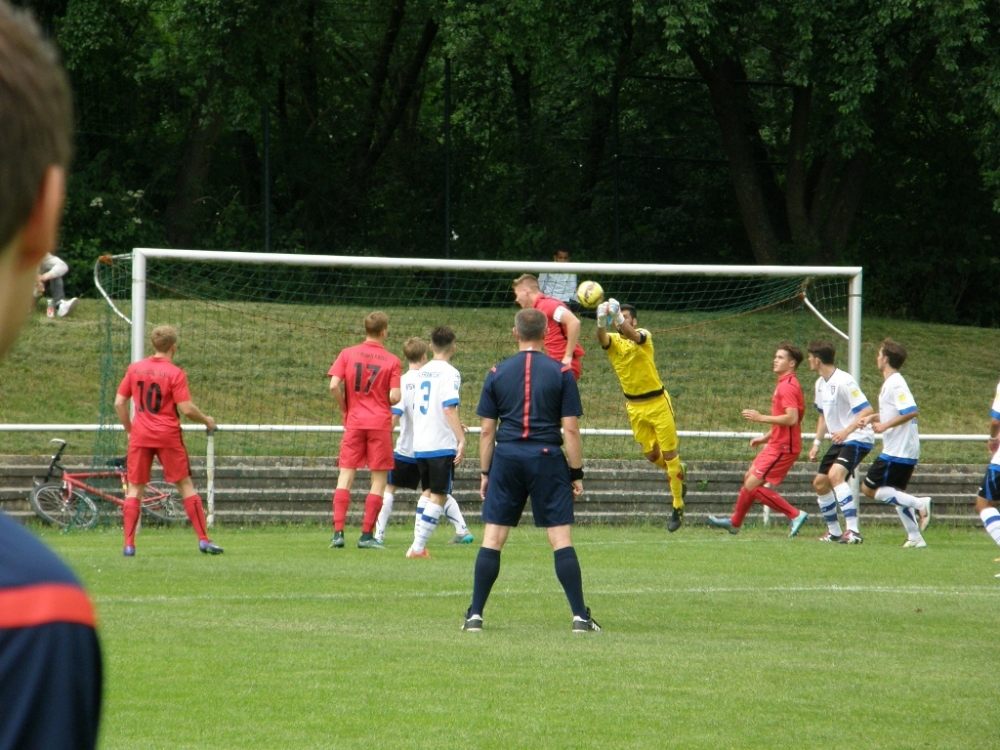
(590, 294)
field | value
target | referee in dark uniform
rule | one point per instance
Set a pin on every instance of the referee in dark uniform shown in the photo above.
(526, 399)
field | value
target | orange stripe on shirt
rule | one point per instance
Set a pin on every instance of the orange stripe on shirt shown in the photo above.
(29, 606)
(527, 395)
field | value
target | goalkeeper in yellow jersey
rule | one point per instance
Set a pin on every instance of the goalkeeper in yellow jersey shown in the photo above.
(647, 402)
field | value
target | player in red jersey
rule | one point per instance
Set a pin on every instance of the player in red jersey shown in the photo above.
(783, 444)
(562, 336)
(365, 381)
(159, 389)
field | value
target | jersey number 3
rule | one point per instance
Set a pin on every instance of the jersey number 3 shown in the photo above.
(425, 388)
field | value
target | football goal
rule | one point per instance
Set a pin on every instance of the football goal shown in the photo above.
(258, 333)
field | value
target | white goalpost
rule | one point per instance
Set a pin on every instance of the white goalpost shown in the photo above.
(259, 330)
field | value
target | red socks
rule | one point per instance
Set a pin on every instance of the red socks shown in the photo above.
(196, 513)
(341, 501)
(767, 497)
(373, 504)
(130, 512)
(774, 501)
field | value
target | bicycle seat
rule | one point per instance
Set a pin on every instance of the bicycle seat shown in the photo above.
(118, 463)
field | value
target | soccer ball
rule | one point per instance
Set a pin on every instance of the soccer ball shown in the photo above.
(590, 294)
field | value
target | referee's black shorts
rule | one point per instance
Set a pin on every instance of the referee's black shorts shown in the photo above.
(520, 470)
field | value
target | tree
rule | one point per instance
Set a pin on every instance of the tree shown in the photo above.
(836, 77)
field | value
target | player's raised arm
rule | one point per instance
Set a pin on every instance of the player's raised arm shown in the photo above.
(602, 321)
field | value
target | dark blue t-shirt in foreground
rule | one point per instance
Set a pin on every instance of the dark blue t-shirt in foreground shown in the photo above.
(50, 659)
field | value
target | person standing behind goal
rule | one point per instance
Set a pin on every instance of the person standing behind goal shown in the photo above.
(405, 472)
(159, 390)
(364, 380)
(438, 436)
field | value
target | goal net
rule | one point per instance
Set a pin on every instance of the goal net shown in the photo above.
(258, 334)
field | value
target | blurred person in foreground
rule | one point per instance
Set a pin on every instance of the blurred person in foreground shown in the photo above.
(50, 658)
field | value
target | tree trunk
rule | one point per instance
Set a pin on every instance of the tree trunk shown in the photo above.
(520, 82)
(839, 217)
(732, 112)
(197, 157)
(796, 190)
(407, 85)
(380, 74)
(602, 112)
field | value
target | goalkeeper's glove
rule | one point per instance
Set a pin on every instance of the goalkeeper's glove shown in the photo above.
(602, 315)
(615, 311)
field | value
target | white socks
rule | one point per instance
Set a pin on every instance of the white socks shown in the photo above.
(848, 506)
(991, 522)
(383, 516)
(454, 514)
(427, 521)
(828, 507)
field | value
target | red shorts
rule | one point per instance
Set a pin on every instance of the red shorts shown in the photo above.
(772, 466)
(577, 366)
(173, 459)
(366, 447)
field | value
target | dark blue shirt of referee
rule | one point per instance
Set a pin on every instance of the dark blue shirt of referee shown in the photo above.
(529, 393)
(50, 658)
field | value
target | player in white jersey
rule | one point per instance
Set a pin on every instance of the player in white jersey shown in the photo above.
(989, 492)
(896, 421)
(405, 472)
(842, 408)
(438, 436)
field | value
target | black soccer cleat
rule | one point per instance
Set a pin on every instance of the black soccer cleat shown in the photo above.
(585, 625)
(676, 520)
(473, 623)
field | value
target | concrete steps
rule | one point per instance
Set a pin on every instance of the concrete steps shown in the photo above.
(297, 490)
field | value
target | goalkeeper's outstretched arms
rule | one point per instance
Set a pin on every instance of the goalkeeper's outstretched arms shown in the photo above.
(602, 321)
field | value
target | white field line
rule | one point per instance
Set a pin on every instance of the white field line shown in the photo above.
(977, 591)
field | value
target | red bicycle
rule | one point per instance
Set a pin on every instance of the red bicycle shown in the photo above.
(68, 502)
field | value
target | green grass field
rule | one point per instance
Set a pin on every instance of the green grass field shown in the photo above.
(241, 372)
(710, 641)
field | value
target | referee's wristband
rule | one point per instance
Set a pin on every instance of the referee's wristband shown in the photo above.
(817, 441)
(575, 474)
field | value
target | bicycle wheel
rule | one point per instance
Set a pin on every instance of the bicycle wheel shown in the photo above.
(163, 503)
(62, 507)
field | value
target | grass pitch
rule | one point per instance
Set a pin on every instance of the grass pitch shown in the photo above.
(710, 641)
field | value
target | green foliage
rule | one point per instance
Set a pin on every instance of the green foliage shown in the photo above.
(557, 139)
(709, 641)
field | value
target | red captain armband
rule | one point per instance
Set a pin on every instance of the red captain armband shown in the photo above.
(576, 475)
